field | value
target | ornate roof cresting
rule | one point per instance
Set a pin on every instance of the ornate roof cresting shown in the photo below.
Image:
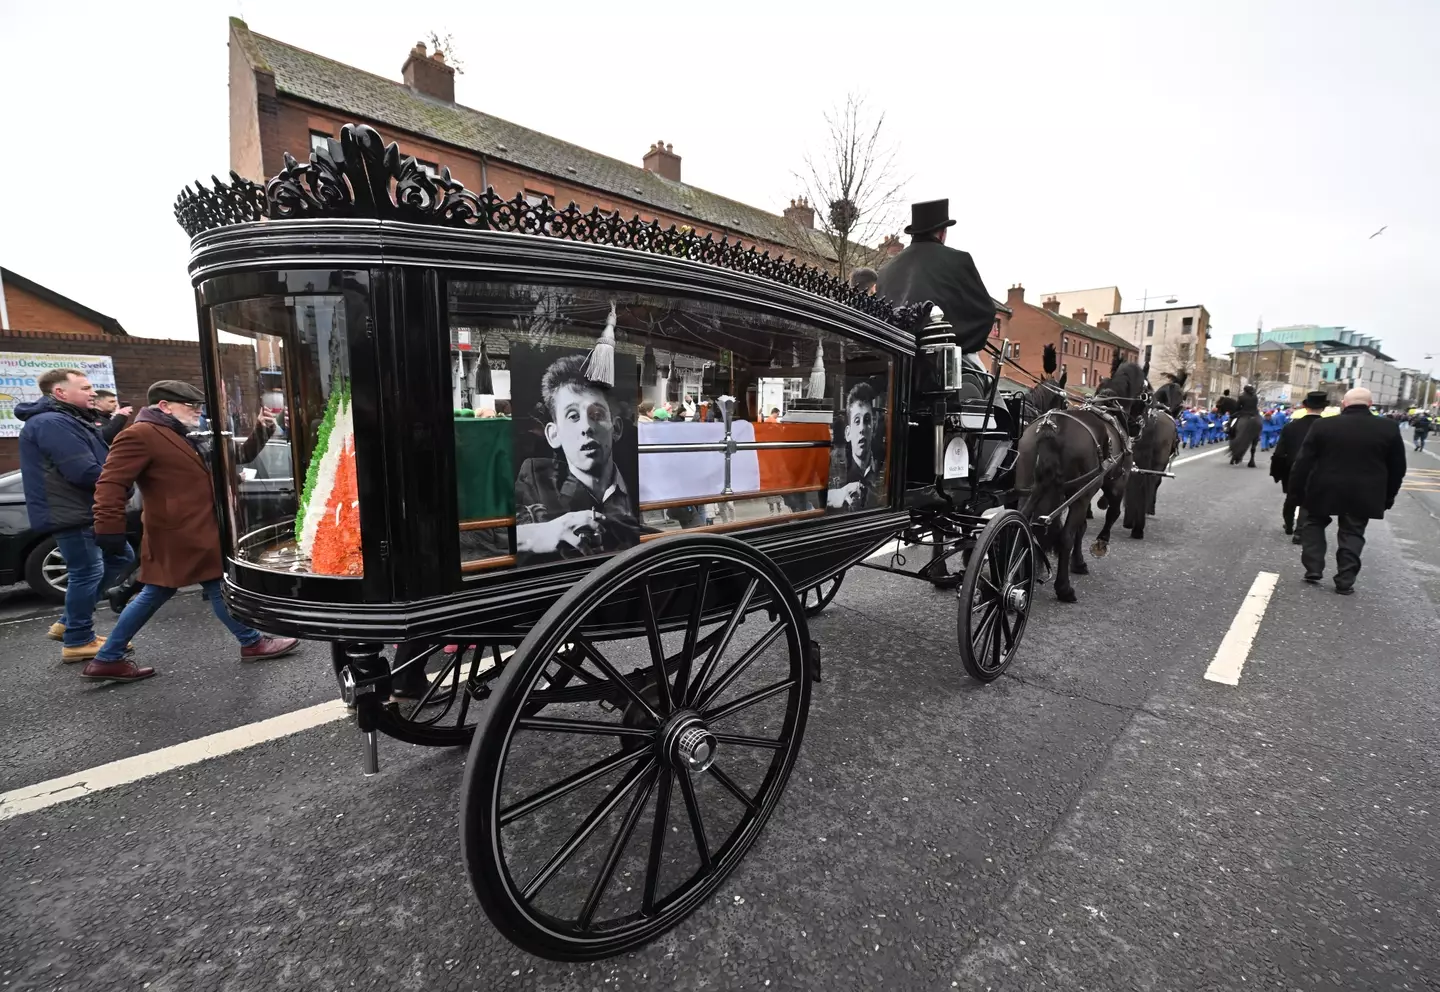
(361, 176)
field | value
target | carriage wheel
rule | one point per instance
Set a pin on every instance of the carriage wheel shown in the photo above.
(996, 595)
(817, 597)
(447, 685)
(595, 826)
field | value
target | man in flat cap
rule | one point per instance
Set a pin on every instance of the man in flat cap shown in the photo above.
(1287, 449)
(928, 270)
(160, 453)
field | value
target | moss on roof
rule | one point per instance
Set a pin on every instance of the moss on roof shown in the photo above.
(316, 79)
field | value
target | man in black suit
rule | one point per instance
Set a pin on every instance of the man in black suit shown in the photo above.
(1349, 467)
(929, 271)
(1287, 449)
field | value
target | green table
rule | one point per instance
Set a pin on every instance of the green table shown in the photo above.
(484, 467)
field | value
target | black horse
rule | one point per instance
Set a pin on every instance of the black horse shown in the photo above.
(1062, 454)
(1156, 445)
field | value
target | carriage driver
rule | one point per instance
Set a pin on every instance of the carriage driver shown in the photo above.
(928, 270)
(854, 487)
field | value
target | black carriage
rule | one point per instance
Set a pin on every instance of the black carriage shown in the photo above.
(565, 488)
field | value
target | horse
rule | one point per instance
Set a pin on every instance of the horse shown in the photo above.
(1157, 443)
(1061, 454)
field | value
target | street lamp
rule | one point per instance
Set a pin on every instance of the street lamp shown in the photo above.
(1429, 382)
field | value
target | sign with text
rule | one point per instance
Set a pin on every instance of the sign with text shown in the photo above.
(20, 369)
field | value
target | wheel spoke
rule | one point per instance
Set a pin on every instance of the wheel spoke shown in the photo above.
(451, 661)
(692, 630)
(759, 695)
(697, 822)
(729, 631)
(733, 789)
(469, 682)
(582, 833)
(612, 859)
(603, 663)
(657, 650)
(744, 662)
(569, 784)
(657, 840)
(577, 670)
(744, 741)
(983, 632)
(592, 727)
(1017, 559)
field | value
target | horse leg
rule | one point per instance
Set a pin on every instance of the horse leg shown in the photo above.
(1135, 499)
(1077, 550)
(1154, 488)
(1069, 543)
(1252, 451)
(1116, 492)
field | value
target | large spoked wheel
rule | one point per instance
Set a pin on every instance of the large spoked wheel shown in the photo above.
(817, 597)
(591, 826)
(437, 692)
(995, 596)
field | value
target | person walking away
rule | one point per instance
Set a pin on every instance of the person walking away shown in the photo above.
(181, 545)
(1287, 449)
(1421, 425)
(1349, 467)
(61, 455)
(1245, 432)
(109, 415)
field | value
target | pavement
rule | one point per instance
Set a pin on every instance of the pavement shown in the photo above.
(1101, 817)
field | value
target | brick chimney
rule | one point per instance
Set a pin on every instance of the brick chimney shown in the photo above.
(662, 160)
(798, 214)
(1015, 297)
(1080, 315)
(891, 246)
(429, 75)
(1103, 323)
(1052, 304)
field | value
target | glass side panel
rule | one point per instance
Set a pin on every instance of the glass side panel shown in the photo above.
(569, 403)
(288, 431)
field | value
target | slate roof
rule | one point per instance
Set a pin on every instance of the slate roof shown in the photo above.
(319, 80)
(1089, 330)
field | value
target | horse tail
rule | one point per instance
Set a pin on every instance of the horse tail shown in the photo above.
(1048, 483)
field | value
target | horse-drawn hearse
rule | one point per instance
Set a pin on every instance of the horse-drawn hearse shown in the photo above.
(567, 489)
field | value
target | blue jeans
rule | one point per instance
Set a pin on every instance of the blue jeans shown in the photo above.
(90, 571)
(151, 598)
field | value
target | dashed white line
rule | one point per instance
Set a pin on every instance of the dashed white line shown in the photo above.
(1235, 648)
(30, 798)
(1203, 454)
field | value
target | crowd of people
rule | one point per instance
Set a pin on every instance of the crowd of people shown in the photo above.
(1200, 427)
(81, 461)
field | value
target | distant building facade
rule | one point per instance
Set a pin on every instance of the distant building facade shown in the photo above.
(1169, 339)
(1085, 351)
(1096, 303)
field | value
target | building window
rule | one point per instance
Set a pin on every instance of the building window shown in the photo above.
(1017, 349)
(1147, 353)
(430, 168)
(1065, 345)
(533, 198)
(1082, 377)
(1085, 349)
(1187, 325)
(319, 141)
(1150, 328)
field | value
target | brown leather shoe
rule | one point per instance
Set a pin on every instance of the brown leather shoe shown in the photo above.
(57, 632)
(269, 647)
(115, 671)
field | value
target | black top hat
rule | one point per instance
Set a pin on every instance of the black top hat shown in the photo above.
(930, 215)
(1317, 399)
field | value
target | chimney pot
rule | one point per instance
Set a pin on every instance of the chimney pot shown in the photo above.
(1080, 315)
(1052, 304)
(1015, 297)
(1103, 323)
(429, 75)
(800, 214)
(662, 160)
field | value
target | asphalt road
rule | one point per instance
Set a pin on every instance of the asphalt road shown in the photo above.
(1100, 818)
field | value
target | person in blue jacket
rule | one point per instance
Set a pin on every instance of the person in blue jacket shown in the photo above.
(1192, 428)
(61, 455)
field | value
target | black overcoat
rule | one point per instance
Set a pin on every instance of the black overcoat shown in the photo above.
(1350, 464)
(929, 271)
(1287, 449)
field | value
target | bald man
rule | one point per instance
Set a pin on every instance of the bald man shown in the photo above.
(1350, 467)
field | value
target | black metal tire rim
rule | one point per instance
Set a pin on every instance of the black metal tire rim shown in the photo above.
(996, 596)
(689, 716)
(56, 572)
(451, 690)
(818, 597)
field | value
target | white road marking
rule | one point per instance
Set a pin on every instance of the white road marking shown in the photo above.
(1204, 454)
(1427, 451)
(58, 790)
(1235, 648)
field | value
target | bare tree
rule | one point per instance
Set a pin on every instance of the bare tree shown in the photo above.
(1177, 356)
(446, 43)
(853, 185)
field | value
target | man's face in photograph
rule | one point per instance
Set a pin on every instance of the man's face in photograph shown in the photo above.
(860, 431)
(581, 427)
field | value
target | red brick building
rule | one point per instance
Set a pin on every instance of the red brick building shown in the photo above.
(1085, 351)
(286, 99)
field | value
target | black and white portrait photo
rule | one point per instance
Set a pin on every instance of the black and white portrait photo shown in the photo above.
(575, 493)
(857, 459)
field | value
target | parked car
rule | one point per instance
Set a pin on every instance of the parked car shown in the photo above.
(28, 557)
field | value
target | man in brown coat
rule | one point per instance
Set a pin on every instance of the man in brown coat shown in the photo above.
(181, 544)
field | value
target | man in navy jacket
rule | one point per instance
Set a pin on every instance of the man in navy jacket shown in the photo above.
(61, 455)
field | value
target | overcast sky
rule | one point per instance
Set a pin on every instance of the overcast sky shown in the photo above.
(1236, 154)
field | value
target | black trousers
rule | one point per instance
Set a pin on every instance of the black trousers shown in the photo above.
(1289, 511)
(1349, 542)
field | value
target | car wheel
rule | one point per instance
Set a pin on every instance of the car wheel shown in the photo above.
(45, 571)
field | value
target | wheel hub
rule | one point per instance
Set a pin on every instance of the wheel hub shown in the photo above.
(1017, 600)
(687, 743)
